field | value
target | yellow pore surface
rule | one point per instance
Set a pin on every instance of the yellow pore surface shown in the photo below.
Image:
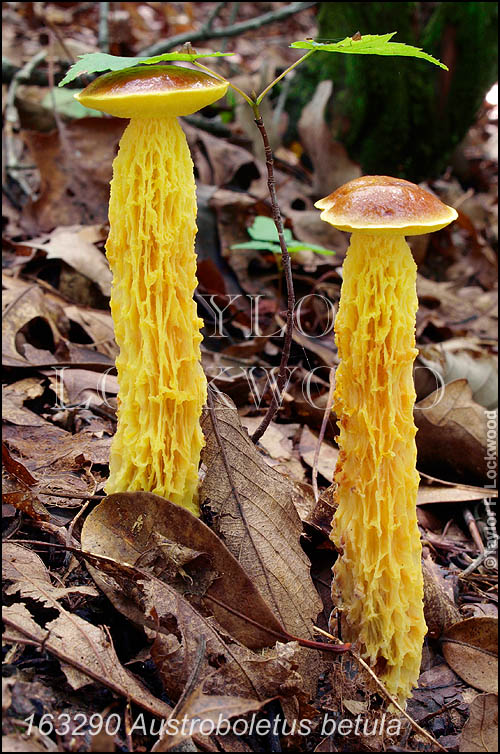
(378, 577)
(150, 249)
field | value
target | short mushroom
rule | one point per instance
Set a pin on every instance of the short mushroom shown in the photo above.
(378, 575)
(150, 248)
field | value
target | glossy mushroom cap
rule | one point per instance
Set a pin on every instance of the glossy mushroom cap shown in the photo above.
(152, 91)
(381, 204)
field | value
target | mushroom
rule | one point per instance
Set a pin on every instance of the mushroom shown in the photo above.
(378, 575)
(150, 248)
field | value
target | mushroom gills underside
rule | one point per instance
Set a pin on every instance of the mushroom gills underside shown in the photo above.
(378, 577)
(150, 249)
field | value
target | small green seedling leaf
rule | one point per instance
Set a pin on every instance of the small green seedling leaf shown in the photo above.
(369, 44)
(96, 62)
(265, 238)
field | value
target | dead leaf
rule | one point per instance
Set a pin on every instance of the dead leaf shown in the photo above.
(451, 433)
(75, 245)
(57, 457)
(176, 627)
(261, 527)
(181, 551)
(205, 709)
(480, 732)
(328, 455)
(471, 649)
(24, 307)
(84, 650)
(13, 398)
(439, 611)
(459, 359)
(331, 163)
(451, 494)
(75, 169)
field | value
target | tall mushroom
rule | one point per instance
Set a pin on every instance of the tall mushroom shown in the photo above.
(378, 575)
(152, 216)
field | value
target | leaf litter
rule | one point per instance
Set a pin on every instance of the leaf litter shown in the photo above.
(172, 585)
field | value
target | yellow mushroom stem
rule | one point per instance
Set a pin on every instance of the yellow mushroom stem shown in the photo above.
(378, 576)
(150, 249)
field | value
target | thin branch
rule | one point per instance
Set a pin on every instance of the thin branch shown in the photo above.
(212, 17)
(103, 31)
(326, 417)
(287, 269)
(229, 31)
(388, 695)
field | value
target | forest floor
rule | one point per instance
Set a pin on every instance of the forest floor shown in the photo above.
(98, 648)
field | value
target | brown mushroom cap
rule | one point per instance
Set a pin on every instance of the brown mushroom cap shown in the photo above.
(152, 91)
(381, 204)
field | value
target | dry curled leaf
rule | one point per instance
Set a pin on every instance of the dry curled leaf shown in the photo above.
(451, 433)
(259, 524)
(470, 648)
(146, 530)
(85, 651)
(176, 626)
(480, 732)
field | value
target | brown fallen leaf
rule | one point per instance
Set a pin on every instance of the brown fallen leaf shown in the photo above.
(75, 245)
(328, 455)
(439, 611)
(470, 648)
(256, 518)
(176, 628)
(451, 435)
(451, 494)
(58, 458)
(480, 732)
(13, 398)
(75, 171)
(85, 651)
(331, 163)
(181, 551)
(204, 714)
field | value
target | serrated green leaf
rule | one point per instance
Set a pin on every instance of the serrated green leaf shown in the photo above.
(96, 62)
(369, 44)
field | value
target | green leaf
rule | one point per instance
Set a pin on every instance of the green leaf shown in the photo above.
(265, 238)
(263, 229)
(369, 44)
(258, 246)
(96, 62)
(295, 247)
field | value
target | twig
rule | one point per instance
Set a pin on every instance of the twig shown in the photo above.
(207, 27)
(98, 676)
(22, 75)
(282, 635)
(474, 531)
(388, 695)
(228, 31)
(326, 417)
(103, 31)
(287, 269)
(232, 19)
